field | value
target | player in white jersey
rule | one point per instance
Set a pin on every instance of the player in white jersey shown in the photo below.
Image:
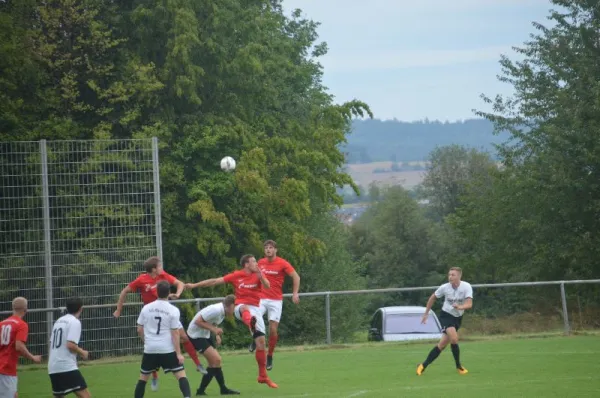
(206, 321)
(158, 326)
(458, 297)
(65, 376)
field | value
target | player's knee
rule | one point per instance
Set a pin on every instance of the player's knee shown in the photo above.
(260, 343)
(216, 361)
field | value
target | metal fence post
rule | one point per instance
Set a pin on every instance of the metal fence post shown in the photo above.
(157, 213)
(563, 297)
(328, 316)
(47, 238)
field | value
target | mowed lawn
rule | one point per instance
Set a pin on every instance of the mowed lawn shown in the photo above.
(539, 367)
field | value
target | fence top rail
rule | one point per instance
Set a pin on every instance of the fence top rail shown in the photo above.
(339, 293)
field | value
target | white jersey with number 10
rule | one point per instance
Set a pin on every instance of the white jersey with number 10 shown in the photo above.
(66, 328)
(159, 318)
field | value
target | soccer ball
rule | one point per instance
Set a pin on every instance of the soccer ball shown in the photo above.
(228, 163)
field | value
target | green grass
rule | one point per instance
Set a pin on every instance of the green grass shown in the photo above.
(529, 367)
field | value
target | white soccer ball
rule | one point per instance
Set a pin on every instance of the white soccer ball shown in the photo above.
(228, 163)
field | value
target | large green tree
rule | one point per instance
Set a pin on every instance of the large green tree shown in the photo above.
(543, 211)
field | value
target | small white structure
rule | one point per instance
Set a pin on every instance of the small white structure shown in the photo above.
(403, 323)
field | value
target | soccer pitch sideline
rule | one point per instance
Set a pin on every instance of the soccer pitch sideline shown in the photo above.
(532, 367)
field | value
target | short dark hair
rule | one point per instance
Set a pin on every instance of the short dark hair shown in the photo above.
(74, 304)
(229, 300)
(151, 263)
(163, 288)
(270, 242)
(246, 259)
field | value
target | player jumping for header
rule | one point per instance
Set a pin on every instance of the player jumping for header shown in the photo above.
(145, 284)
(458, 298)
(271, 300)
(248, 283)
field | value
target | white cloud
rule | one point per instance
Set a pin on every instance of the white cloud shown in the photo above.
(410, 59)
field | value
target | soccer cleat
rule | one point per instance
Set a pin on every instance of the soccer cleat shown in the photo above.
(229, 391)
(267, 381)
(252, 347)
(420, 369)
(198, 392)
(154, 385)
(201, 369)
(269, 362)
(253, 325)
(462, 371)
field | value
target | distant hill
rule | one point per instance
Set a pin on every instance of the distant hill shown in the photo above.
(377, 140)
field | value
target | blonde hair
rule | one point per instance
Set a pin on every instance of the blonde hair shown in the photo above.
(457, 269)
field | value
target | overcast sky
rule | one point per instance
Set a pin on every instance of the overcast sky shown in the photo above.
(415, 59)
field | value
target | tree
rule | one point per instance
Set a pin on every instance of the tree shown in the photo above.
(397, 245)
(449, 172)
(554, 152)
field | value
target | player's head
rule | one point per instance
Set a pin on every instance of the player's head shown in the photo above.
(248, 261)
(19, 306)
(74, 306)
(229, 304)
(153, 265)
(163, 288)
(270, 247)
(454, 274)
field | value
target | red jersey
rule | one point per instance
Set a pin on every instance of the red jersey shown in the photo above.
(11, 329)
(247, 287)
(145, 285)
(275, 272)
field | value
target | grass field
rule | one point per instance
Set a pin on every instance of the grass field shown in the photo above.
(536, 367)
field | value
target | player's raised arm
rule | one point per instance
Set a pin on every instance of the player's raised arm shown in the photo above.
(121, 300)
(206, 283)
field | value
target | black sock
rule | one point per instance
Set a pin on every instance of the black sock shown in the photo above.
(456, 353)
(206, 379)
(220, 378)
(140, 388)
(184, 386)
(433, 354)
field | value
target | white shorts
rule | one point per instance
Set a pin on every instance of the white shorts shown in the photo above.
(272, 307)
(254, 311)
(8, 386)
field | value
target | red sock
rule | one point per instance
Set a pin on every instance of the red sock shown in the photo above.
(154, 375)
(246, 317)
(261, 360)
(191, 351)
(272, 343)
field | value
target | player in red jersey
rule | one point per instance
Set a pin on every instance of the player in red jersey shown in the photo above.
(145, 284)
(248, 283)
(271, 300)
(13, 336)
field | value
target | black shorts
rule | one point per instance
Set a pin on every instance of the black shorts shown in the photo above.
(202, 344)
(67, 382)
(449, 321)
(153, 362)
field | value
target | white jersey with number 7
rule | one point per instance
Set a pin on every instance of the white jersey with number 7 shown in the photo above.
(159, 318)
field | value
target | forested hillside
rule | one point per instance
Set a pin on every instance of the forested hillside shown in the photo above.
(392, 140)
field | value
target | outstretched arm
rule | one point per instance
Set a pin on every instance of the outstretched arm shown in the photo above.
(180, 286)
(205, 283)
(121, 300)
